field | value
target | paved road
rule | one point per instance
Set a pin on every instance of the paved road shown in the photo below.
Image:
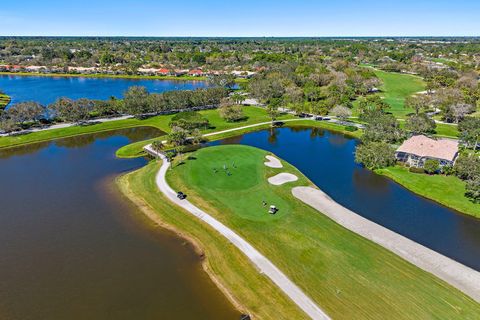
(264, 265)
(65, 125)
(456, 274)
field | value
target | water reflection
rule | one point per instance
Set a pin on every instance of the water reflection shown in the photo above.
(73, 249)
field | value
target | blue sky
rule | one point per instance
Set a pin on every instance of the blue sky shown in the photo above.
(241, 18)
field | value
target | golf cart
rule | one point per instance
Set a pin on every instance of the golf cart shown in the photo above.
(181, 195)
(273, 210)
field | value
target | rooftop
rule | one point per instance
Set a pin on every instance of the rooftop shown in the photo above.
(426, 147)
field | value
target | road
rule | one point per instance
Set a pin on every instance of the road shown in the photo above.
(264, 265)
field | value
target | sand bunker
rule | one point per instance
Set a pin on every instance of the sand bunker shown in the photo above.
(282, 178)
(273, 162)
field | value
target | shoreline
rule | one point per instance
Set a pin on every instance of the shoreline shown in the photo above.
(452, 272)
(385, 173)
(112, 76)
(101, 75)
(263, 265)
(225, 274)
(123, 186)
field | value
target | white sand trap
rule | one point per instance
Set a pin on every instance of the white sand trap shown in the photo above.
(282, 178)
(273, 162)
(454, 273)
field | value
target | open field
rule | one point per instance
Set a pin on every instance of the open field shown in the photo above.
(447, 190)
(348, 276)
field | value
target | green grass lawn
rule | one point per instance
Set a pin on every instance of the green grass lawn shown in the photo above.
(347, 275)
(447, 190)
(396, 88)
(446, 130)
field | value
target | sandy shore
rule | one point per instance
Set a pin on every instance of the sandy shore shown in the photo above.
(456, 274)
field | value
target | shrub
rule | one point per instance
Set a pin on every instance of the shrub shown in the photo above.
(351, 128)
(416, 170)
(472, 190)
(431, 166)
(447, 170)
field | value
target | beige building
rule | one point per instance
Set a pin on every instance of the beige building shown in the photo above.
(418, 149)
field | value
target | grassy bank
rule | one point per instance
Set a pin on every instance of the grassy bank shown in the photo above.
(447, 190)
(396, 88)
(249, 291)
(113, 76)
(4, 100)
(253, 115)
(347, 275)
(135, 149)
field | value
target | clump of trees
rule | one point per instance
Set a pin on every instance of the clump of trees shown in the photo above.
(469, 130)
(189, 120)
(467, 168)
(420, 124)
(231, 112)
(341, 112)
(312, 87)
(375, 155)
(136, 101)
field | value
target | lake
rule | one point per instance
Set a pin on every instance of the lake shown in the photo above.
(72, 248)
(46, 90)
(327, 159)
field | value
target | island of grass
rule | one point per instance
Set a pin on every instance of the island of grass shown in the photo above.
(347, 275)
(447, 190)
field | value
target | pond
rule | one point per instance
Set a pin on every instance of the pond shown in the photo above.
(46, 90)
(72, 248)
(327, 159)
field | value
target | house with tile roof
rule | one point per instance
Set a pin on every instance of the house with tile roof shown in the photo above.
(418, 149)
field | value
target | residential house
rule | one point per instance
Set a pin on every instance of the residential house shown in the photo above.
(195, 73)
(418, 149)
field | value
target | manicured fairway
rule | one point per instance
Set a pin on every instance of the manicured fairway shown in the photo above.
(348, 276)
(447, 190)
(396, 88)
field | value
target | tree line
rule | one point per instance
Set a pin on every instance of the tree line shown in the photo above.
(137, 101)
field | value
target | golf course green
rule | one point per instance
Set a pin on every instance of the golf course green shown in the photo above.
(347, 275)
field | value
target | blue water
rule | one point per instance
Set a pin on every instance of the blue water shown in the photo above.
(46, 90)
(327, 159)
